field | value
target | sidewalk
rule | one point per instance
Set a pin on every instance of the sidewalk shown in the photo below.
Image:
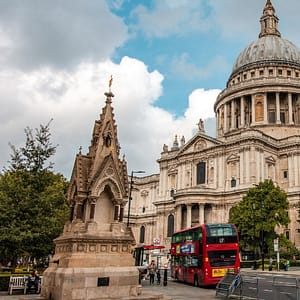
(174, 290)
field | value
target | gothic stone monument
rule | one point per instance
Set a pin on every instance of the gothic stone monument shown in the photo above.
(93, 258)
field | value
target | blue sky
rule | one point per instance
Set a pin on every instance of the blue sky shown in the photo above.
(169, 60)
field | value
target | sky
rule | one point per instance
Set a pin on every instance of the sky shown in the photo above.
(169, 60)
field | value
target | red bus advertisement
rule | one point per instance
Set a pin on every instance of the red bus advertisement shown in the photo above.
(203, 254)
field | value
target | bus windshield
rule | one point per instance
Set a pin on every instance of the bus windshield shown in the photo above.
(222, 258)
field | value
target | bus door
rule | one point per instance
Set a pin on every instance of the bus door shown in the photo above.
(185, 268)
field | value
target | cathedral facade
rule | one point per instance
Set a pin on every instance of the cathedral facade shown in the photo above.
(257, 138)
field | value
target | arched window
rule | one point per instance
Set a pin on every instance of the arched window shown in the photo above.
(170, 225)
(142, 234)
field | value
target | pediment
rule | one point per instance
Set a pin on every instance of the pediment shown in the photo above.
(199, 142)
(270, 160)
(232, 158)
(172, 170)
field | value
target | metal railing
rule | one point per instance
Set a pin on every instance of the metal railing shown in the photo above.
(268, 286)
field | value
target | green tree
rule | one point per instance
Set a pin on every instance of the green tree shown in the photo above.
(33, 205)
(262, 209)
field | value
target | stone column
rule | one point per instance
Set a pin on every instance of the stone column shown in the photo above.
(242, 111)
(252, 110)
(121, 216)
(266, 109)
(277, 108)
(232, 114)
(116, 213)
(201, 213)
(92, 210)
(188, 215)
(79, 211)
(290, 109)
(296, 170)
(225, 118)
(241, 166)
(71, 213)
(290, 173)
(178, 218)
(247, 165)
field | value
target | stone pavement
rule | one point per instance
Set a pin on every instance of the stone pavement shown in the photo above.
(173, 290)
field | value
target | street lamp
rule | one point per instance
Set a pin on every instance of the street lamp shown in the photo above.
(130, 190)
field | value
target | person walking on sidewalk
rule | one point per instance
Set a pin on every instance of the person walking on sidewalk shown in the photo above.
(152, 272)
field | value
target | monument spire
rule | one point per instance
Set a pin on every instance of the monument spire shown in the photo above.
(109, 94)
(269, 21)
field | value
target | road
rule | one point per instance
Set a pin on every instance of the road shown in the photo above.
(180, 291)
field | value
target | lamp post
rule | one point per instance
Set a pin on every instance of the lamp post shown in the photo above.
(254, 219)
(130, 190)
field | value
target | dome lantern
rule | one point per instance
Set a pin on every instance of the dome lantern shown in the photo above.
(269, 21)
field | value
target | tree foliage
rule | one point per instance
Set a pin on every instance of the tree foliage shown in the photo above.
(36, 152)
(33, 205)
(262, 209)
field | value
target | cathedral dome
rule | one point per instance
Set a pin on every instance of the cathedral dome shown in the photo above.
(269, 48)
(266, 49)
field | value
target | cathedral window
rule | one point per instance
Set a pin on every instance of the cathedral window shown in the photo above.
(142, 234)
(280, 72)
(272, 117)
(271, 72)
(170, 225)
(289, 73)
(261, 72)
(201, 173)
(282, 117)
(285, 174)
(252, 74)
(297, 74)
(287, 235)
(233, 182)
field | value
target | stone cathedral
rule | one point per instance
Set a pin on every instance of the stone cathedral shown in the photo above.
(257, 138)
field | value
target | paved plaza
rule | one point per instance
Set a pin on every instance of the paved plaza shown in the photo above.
(174, 290)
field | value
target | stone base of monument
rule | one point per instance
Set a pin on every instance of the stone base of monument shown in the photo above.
(93, 284)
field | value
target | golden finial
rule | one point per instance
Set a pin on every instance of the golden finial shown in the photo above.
(110, 83)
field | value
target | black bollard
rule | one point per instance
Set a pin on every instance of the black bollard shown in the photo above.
(165, 277)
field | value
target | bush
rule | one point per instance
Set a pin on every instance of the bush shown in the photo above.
(250, 264)
(4, 281)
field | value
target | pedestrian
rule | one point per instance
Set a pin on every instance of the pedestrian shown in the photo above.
(270, 264)
(33, 282)
(144, 273)
(158, 277)
(152, 272)
(287, 265)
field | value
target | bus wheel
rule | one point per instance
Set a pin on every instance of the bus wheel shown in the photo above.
(196, 281)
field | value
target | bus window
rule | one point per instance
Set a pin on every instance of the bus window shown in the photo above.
(220, 234)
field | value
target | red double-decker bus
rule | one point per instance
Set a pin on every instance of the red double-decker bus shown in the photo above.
(203, 254)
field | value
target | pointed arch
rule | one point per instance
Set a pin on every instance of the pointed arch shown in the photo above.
(142, 234)
(114, 188)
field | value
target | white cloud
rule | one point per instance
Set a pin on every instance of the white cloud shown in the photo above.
(75, 99)
(60, 34)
